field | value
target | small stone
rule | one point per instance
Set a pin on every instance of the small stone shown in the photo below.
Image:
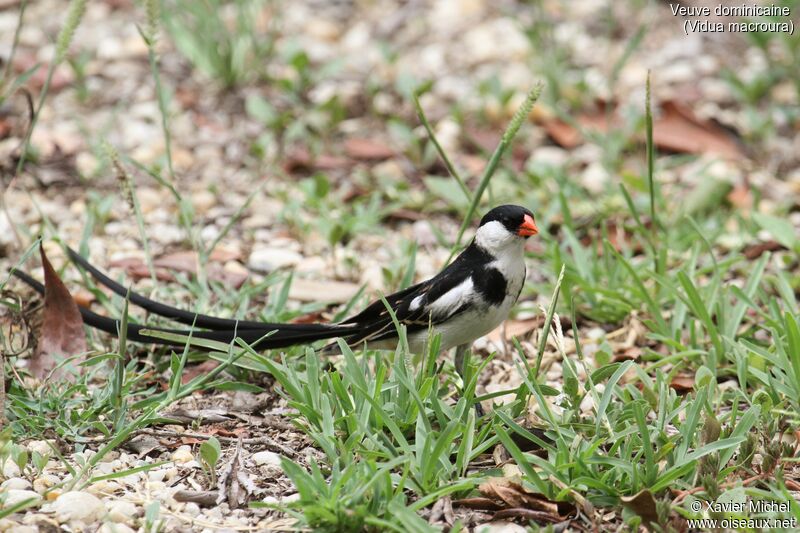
(551, 156)
(15, 496)
(192, 509)
(269, 259)
(15, 483)
(86, 163)
(149, 199)
(10, 468)
(121, 511)
(290, 498)
(595, 178)
(78, 506)
(266, 457)
(42, 447)
(203, 201)
(157, 475)
(182, 455)
(115, 528)
(20, 528)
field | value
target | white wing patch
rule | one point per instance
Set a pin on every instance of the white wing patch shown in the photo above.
(415, 302)
(450, 301)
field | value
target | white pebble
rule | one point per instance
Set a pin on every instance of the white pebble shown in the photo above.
(115, 528)
(10, 468)
(39, 446)
(192, 509)
(78, 506)
(182, 455)
(15, 496)
(120, 510)
(266, 457)
(269, 259)
(15, 483)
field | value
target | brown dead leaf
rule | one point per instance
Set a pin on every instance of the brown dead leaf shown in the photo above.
(631, 353)
(83, 298)
(301, 160)
(527, 514)
(568, 136)
(235, 484)
(644, 504)
(741, 197)
(191, 372)
(62, 332)
(515, 328)
(178, 261)
(203, 498)
(483, 504)
(136, 269)
(142, 445)
(62, 76)
(198, 416)
(514, 495)
(676, 129)
(367, 149)
(754, 251)
(185, 262)
(679, 130)
(682, 383)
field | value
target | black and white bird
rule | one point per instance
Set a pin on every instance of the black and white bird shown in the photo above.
(466, 300)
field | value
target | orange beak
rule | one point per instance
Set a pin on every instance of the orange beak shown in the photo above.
(528, 227)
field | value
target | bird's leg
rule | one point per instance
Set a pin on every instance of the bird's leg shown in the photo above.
(461, 362)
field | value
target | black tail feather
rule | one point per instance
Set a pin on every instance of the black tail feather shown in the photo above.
(181, 315)
(280, 336)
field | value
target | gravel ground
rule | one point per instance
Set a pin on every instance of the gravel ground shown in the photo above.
(370, 51)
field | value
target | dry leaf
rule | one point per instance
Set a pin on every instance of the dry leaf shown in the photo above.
(62, 76)
(300, 160)
(527, 514)
(679, 130)
(568, 136)
(192, 371)
(62, 332)
(142, 445)
(480, 503)
(515, 328)
(235, 484)
(644, 504)
(198, 416)
(682, 383)
(182, 262)
(83, 298)
(367, 149)
(204, 498)
(741, 197)
(179, 261)
(754, 251)
(514, 495)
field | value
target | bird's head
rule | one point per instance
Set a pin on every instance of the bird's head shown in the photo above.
(505, 226)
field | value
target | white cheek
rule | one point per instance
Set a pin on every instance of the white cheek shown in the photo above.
(493, 235)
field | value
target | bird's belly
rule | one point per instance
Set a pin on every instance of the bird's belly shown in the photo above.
(464, 328)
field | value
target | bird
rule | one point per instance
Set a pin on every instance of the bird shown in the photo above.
(469, 298)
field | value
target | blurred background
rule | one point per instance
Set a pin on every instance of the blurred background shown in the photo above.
(266, 159)
(309, 104)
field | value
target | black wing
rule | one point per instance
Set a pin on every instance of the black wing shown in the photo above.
(375, 323)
